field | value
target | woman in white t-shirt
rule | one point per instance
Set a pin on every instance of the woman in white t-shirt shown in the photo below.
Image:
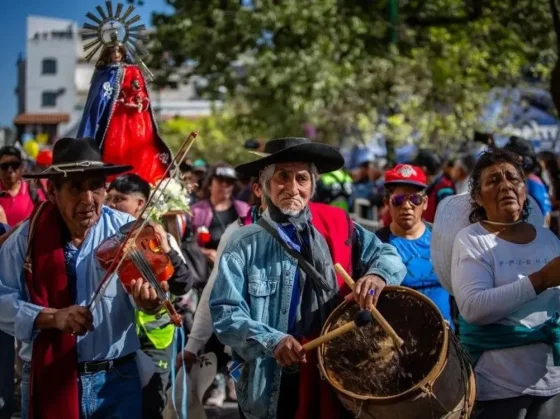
(505, 278)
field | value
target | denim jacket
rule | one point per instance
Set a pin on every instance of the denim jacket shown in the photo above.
(250, 304)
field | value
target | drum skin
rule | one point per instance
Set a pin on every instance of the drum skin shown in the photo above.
(442, 394)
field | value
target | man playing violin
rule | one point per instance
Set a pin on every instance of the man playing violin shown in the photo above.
(129, 193)
(83, 362)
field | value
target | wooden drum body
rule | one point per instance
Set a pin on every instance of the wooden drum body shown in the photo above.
(429, 377)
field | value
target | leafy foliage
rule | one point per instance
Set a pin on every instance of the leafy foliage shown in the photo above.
(217, 140)
(284, 63)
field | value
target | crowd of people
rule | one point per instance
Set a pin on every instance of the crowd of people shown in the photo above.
(253, 277)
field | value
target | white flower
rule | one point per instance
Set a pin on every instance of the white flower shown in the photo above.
(175, 197)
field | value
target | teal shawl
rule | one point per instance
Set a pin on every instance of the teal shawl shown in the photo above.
(478, 339)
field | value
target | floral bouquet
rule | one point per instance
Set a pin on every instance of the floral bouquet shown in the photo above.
(175, 197)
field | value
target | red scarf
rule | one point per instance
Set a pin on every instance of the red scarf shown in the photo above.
(54, 359)
(316, 396)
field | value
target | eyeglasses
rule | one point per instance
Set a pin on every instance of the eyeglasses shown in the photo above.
(13, 164)
(415, 199)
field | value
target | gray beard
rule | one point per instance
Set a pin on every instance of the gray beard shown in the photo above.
(289, 212)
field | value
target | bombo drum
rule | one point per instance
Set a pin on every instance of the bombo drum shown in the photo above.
(429, 377)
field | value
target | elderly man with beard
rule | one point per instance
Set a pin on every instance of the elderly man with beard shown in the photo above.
(83, 362)
(276, 283)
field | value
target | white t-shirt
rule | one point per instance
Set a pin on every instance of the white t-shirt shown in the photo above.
(491, 285)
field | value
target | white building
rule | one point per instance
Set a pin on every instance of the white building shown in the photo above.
(46, 93)
(54, 79)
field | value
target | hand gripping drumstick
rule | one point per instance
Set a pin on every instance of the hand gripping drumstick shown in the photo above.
(376, 314)
(363, 318)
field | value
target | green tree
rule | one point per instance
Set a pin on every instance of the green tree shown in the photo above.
(218, 138)
(284, 63)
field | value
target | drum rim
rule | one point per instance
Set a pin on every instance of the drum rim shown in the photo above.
(430, 377)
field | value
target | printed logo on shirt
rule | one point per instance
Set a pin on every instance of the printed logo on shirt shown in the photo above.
(521, 262)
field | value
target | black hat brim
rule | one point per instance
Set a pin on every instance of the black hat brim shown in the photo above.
(324, 157)
(108, 169)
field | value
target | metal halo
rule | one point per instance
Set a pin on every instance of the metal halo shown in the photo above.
(95, 29)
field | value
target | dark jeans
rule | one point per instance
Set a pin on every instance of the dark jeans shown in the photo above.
(7, 357)
(154, 395)
(522, 407)
(107, 394)
(288, 398)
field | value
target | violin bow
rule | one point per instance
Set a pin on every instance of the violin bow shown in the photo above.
(141, 222)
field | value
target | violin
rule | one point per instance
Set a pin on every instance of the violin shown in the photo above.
(142, 258)
(136, 250)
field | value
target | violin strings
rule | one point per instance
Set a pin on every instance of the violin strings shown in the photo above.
(138, 262)
(146, 271)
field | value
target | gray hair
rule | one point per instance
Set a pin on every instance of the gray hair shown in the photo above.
(268, 172)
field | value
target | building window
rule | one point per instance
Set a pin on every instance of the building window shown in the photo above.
(49, 99)
(49, 66)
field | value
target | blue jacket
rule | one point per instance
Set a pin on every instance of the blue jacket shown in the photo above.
(115, 333)
(250, 305)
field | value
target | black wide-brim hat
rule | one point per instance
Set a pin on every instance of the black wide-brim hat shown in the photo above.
(292, 149)
(77, 156)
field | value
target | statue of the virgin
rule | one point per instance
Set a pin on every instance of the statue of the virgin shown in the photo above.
(118, 111)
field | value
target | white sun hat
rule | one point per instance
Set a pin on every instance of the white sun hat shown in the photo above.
(452, 215)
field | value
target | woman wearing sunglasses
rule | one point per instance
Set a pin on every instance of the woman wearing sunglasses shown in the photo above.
(405, 196)
(17, 196)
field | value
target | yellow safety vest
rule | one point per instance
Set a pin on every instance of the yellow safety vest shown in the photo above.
(156, 327)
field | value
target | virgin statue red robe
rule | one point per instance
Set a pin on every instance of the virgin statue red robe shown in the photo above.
(126, 134)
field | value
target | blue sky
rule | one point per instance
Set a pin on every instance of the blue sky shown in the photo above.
(13, 21)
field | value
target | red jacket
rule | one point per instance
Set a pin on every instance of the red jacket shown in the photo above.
(316, 396)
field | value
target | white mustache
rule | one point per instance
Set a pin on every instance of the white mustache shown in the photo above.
(290, 196)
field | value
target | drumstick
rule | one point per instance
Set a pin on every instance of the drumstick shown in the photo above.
(376, 314)
(363, 318)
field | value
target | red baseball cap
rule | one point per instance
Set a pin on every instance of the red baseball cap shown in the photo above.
(405, 174)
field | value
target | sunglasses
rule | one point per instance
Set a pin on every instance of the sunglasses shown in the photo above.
(13, 164)
(415, 199)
